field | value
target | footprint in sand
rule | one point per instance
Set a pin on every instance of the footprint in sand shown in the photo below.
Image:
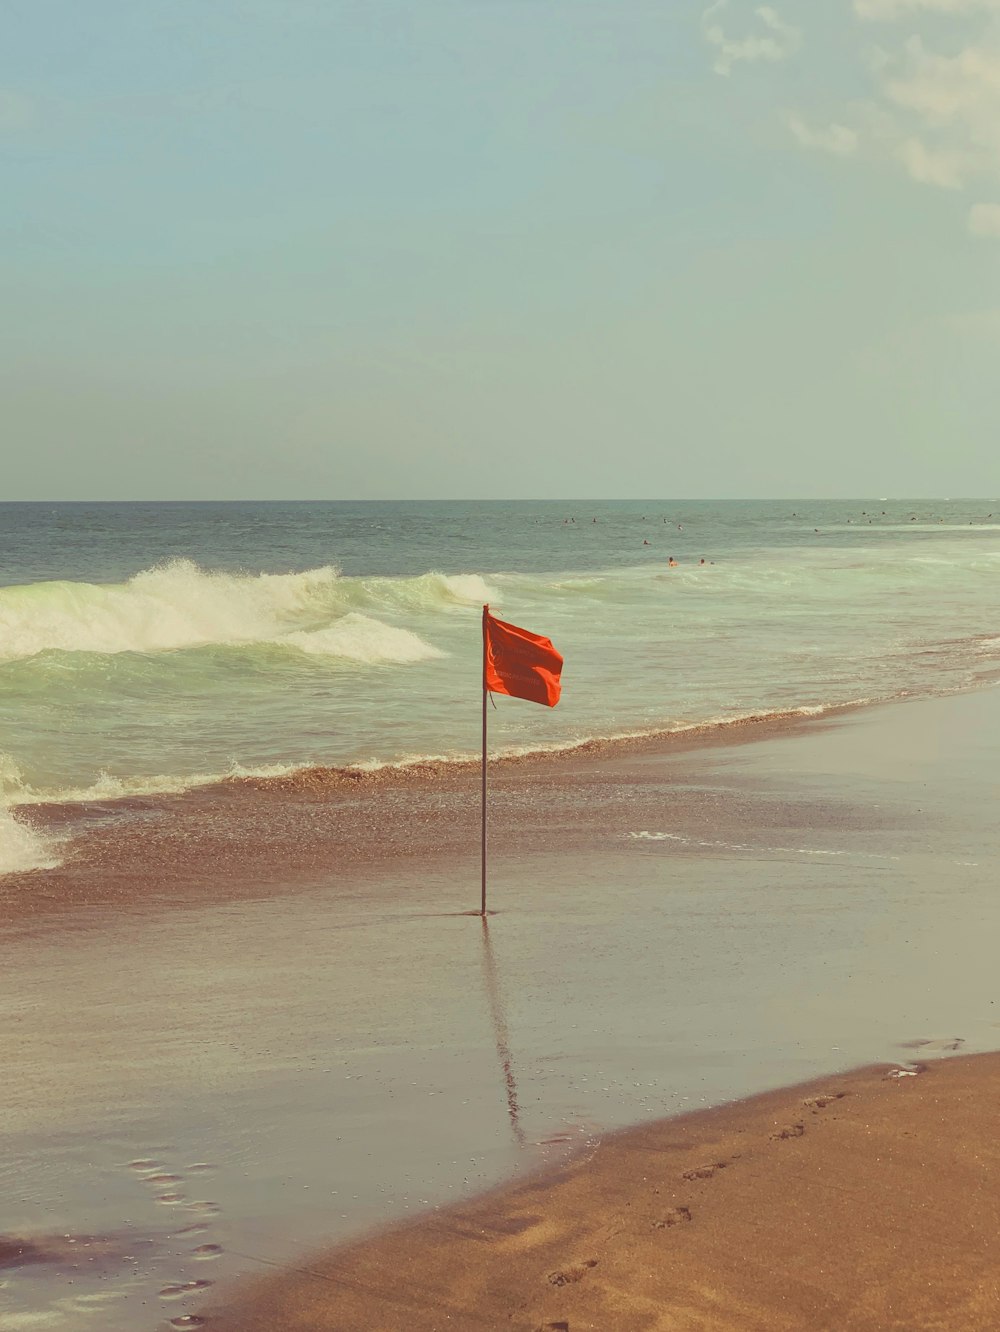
(817, 1103)
(705, 1171)
(567, 1276)
(675, 1217)
(789, 1131)
(205, 1208)
(178, 1289)
(934, 1045)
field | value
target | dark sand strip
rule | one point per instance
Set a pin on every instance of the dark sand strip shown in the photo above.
(255, 837)
(863, 1201)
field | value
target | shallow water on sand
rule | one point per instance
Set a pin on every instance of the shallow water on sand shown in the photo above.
(264, 1075)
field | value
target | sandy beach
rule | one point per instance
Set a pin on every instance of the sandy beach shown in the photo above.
(600, 397)
(277, 1041)
(868, 1200)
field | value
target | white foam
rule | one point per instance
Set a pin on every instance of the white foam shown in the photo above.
(357, 637)
(748, 846)
(429, 591)
(178, 605)
(106, 786)
(23, 847)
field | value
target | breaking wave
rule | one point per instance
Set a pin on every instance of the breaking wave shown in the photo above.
(22, 847)
(178, 605)
(359, 638)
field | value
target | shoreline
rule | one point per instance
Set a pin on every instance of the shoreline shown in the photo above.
(864, 1200)
(106, 849)
(376, 773)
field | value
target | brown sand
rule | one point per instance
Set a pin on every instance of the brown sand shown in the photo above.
(864, 1201)
(255, 837)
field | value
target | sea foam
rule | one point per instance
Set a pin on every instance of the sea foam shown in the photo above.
(23, 847)
(357, 637)
(178, 605)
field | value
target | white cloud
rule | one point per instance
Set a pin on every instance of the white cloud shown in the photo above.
(773, 40)
(934, 108)
(954, 99)
(837, 139)
(927, 166)
(961, 90)
(887, 10)
(984, 220)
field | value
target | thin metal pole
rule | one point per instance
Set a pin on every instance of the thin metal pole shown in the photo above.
(482, 912)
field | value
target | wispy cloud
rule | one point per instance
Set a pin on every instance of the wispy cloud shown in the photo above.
(954, 99)
(772, 40)
(984, 220)
(934, 113)
(888, 10)
(840, 140)
(948, 170)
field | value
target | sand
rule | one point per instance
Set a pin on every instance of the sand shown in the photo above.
(270, 992)
(869, 1200)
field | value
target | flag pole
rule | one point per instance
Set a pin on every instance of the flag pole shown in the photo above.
(486, 611)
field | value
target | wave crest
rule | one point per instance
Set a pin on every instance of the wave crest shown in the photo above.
(358, 638)
(179, 605)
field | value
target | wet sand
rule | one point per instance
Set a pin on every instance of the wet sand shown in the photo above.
(869, 1200)
(249, 837)
(242, 1023)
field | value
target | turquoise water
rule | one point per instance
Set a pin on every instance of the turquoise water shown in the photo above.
(151, 648)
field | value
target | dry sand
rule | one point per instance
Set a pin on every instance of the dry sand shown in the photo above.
(869, 1200)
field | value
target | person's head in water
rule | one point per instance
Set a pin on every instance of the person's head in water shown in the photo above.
(672, 563)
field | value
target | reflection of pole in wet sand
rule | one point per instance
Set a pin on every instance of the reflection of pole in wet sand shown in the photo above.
(495, 997)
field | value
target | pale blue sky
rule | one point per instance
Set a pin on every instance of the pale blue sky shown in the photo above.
(308, 248)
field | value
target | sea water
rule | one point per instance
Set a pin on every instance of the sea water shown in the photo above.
(150, 648)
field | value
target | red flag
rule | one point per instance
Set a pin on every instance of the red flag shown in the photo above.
(519, 663)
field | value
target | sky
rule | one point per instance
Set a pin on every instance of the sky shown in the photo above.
(358, 249)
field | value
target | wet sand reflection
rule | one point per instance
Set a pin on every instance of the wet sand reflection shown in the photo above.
(494, 995)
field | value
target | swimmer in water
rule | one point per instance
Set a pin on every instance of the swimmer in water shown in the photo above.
(671, 563)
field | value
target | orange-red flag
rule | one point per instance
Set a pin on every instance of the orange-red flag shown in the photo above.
(519, 663)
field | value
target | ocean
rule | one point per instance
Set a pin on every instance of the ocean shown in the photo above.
(152, 648)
